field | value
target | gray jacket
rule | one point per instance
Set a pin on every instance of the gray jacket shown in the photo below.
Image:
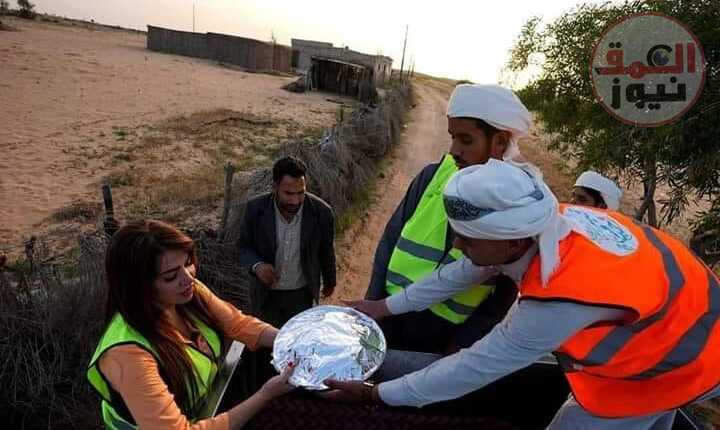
(258, 240)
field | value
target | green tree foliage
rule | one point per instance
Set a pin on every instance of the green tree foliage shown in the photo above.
(27, 9)
(684, 155)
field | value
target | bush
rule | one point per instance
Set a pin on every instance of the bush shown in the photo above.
(683, 156)
(27, 9)
(50, 323)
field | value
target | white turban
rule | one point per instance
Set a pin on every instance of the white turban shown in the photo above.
(500, 201)
(497, 106)
(608, 189)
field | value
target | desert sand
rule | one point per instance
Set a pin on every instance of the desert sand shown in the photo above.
(67, 92)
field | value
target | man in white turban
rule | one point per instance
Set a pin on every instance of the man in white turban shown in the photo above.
(594, 189)
(632, 316)
(484, 122)
(502, 117)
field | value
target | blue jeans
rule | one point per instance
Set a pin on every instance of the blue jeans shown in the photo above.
(572, 416)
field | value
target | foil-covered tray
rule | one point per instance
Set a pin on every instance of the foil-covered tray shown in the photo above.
(329, 342)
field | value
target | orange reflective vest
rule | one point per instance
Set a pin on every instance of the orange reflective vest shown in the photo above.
(663, 357)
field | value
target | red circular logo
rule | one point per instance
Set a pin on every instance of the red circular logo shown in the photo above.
(647, 69)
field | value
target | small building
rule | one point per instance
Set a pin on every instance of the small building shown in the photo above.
(380, 66)
(341, 77)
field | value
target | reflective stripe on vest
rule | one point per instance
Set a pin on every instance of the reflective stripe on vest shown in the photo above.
(113, 420)
(421, 248)
(119, 332)
(663, 358)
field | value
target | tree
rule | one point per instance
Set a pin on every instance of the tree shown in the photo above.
(27, 9)
(684, 155)
(4, 7)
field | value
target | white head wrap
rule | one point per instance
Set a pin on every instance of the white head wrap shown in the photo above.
(496, 105)
(608, 189)
(499, 201)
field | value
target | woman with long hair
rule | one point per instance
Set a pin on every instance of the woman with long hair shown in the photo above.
(159, 353)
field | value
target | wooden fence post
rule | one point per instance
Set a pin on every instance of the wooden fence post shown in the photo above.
(229, 173)
(110, 225)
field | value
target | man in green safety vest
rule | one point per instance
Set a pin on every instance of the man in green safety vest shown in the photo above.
(484, 121)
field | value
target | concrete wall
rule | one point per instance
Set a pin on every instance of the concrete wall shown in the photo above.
(310, 43)
(177, 42)
(248, 53)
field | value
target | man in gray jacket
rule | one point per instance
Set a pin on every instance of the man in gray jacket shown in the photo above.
(287, 243)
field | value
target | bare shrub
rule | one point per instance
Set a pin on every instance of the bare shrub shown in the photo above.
(51, 315)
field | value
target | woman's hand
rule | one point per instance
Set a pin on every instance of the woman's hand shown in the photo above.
(280, 384)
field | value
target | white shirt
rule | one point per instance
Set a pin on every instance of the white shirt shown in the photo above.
(531, 330)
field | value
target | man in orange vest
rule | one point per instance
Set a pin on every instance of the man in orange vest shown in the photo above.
(631, 314)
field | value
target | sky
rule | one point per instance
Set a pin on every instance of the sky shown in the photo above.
(457, 39)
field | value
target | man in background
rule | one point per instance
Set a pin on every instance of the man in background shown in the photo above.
(287, 242)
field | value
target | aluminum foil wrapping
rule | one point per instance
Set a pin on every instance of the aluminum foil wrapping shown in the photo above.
(329, 342)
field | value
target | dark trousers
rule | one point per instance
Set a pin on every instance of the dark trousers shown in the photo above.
(418, 331)
(281, 305)
(278, 307)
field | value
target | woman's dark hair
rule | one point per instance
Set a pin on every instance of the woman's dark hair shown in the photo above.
(595, 194)
(289, 165)
(132, 265)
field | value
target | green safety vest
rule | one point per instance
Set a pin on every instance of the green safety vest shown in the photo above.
(421, 248)
(118, 333)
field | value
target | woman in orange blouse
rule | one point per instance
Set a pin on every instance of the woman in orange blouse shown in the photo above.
(160, 350)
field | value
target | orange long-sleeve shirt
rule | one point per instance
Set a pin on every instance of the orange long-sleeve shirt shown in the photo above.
(134, 374)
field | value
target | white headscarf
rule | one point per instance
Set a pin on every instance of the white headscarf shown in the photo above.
(496, 105)
(607, 188)
(499, 201)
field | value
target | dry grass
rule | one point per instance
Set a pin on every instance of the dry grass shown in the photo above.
(174, 168)
(342, 166)
(50, 317)
(181, 178)
(446, 85)
(78, 211)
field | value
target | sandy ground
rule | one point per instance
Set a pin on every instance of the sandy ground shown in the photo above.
(69, 91)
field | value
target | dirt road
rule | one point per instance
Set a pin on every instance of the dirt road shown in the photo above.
(424, 141)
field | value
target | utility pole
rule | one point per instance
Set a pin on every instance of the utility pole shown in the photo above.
(402, 62)
(193, 17)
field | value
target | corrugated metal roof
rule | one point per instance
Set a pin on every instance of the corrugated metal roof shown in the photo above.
(332, 60)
